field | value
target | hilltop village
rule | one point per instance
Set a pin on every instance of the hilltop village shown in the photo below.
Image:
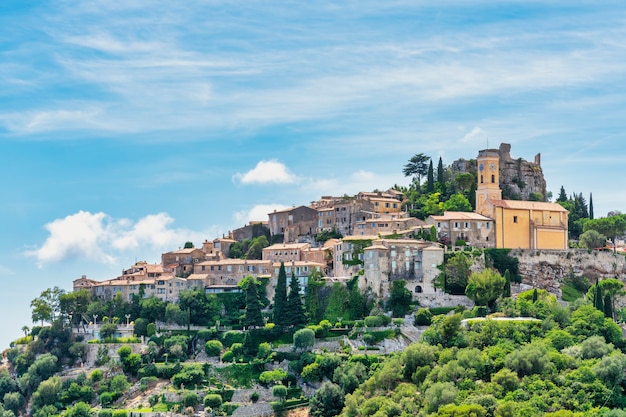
(369, 235)
(473, 296)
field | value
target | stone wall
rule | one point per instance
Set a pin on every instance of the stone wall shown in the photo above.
(547, 269)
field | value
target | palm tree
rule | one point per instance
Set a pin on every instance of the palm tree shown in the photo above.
(25, 329)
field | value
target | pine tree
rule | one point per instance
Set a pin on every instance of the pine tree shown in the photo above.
(430, 179)
(294, 309)
(280, 297)
(252, 316)
(562, 196)
(591, 206)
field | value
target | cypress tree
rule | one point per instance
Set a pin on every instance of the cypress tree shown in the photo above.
(430, 179)
(535, 295)
(252, 316)
(608, 306)
(280, 297)
(597, 298)
(507, 285)
(562, 196)
(591, 206)
(294, 309)
(440, 171)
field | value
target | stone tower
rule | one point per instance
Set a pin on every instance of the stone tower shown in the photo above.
(488, 169)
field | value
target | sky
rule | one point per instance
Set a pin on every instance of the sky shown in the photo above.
(130, 127)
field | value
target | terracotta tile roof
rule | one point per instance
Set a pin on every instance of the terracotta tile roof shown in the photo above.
(460, 215)
(283, 246)
(527, 205)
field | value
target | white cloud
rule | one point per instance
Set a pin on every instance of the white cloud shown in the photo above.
(6, 271)
(97, 237)
(257, 213)
(470, 136)
(266, 172)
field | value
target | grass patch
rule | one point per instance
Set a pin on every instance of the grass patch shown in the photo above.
(570, 293)
(239, 375)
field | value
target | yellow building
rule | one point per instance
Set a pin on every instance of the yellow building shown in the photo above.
(518, 224)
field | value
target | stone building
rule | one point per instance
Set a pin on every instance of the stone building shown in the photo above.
(388, 260)
(293, 224)
(475, 229)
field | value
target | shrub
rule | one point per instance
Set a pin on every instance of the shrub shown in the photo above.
(423, 317)
(106, 398)
(213, 347)
(213, 400)
(190, 399)
(373, 321)
(254, 397)
(231, 337)
(228, 356)
(106, 412)
(120, 413)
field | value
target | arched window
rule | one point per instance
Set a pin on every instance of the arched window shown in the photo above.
(481, 179)
(418, 289)
(493, 179)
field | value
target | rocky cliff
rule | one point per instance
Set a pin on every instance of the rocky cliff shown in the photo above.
(519, 179)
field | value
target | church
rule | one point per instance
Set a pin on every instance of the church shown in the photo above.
(518, 224)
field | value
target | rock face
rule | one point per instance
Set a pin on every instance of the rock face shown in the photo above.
(520, 179)
(548, 269)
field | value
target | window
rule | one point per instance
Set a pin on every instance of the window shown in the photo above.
(439, 225)
(229, 268)
(418, 289)
(203, 267)
(456, 225)
(466, 225)
(395, 205)
(514, 219)
(493, 179)
(487, 225)
(481, 179)
(386, 205)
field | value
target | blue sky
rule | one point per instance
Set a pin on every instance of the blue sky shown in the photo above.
(129, 127)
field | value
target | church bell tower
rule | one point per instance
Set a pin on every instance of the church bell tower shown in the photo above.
(488, 188)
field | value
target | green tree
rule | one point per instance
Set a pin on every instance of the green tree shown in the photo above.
(485, 287)
(440, 393)
(441, 182)
(506, 292)
(464, 182)
(591, 206)
(312, 298)
(457, 202)
(280, 297)
(252, 316)
(279, 391)
(327, 401)
(430, 178)
(399, 299)
(457, 271)
(80, 409)
(562, 196)
(612, 227)
(294, 309)
(417, 167)
(592, 239)
(303, 339)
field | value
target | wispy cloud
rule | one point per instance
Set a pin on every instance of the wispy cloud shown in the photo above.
(258, 212)
(97, 237)
(266, 172)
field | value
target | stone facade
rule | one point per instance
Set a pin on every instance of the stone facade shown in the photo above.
(413, 261)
